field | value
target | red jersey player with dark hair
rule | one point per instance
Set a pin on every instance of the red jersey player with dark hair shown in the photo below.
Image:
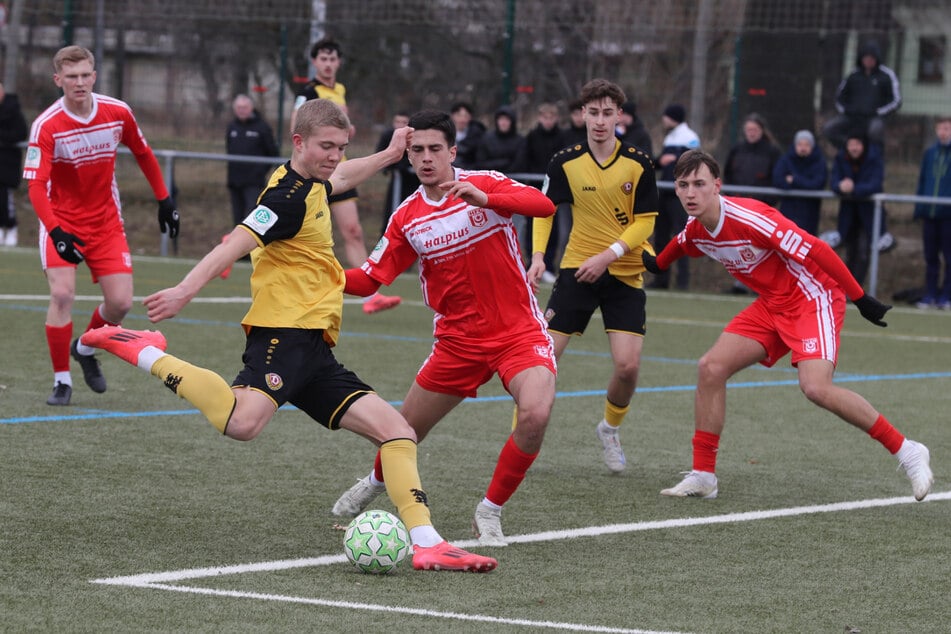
(458, 224)
(802, 287)
(71, 166)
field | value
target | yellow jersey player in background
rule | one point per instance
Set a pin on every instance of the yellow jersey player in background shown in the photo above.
(610, 191)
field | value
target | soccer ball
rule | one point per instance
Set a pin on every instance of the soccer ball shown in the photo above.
(376, 542)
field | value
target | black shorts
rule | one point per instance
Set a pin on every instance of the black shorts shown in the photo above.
(291, 365)
(347, 195)
(623, 307)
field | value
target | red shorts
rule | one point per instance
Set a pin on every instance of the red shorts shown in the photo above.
(460, 367)
(810, 330)
(105, 253)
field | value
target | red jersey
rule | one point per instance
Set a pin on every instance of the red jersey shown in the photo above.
(767, 252)
(72, 161)
(470, 265)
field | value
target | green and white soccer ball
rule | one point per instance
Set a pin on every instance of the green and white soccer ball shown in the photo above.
(376, 542)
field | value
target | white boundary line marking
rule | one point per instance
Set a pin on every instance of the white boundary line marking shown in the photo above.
(162, 580)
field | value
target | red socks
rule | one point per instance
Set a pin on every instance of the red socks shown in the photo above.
(59, 338)
(883, 432)
(509, 472)
(96, 321)
(705, 447)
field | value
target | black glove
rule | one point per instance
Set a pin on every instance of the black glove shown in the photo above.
(650, 262)
(67, 245)
(168, 217)
(872, 309)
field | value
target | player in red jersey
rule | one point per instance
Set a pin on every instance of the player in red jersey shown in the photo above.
(458, 224)
(802, 287)
(71, 167)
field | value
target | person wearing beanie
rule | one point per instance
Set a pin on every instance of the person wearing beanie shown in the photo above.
(802, 167)
(671, 216)
(632, 130)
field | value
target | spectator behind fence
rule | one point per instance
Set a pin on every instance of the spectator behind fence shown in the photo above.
(576, 132)
(934, 179)
(469, 132)
(750, 163)
(802, 167)
(498, 149)
(857, 172)
(407, 177)
(326, 56)
(864, 98)
(13, 130)
(671, 216)
(540, 145)
(79, 210)
(631, 129)
(247, 135)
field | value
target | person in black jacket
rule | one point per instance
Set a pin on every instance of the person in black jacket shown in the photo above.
(864, 98)
(802, 167)
(469, 133)
(632, 130)
(499, 147)
(541, 143)
(247, 135)
(13, 130)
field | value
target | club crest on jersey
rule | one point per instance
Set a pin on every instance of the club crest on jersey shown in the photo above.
(261, 219)
(478, 217)
(810, 345)
(747, 255)
(274, 381)
(627, 188)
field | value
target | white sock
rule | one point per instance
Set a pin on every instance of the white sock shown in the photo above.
(374, 481)
(491, 505)
(425, 536)
(148, 356)
(83, 349)
(62, 377)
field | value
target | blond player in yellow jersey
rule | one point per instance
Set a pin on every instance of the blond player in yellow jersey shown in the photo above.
(325, 57)
(294, 321)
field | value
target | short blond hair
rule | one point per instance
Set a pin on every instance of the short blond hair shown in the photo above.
(319, 113)
(72, 55)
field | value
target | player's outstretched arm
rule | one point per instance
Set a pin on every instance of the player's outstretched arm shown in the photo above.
(166, 303)
(352, 172)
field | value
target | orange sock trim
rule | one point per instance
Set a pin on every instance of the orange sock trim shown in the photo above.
(705, 448)
(883, 432)
(59, 338)
(509, 472)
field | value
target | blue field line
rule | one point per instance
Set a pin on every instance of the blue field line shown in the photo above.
(96, 414)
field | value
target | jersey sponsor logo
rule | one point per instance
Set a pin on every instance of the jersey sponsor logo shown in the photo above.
(810, 345)
(478, 217)
(274, 381)
(32, 158)
(261, 219)
(446, 238)
(378, 250)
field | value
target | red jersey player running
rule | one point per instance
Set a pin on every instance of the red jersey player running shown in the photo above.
(801, 285)
(459, 225)
(71, 167)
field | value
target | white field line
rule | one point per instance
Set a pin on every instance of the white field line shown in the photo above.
(162, 580)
